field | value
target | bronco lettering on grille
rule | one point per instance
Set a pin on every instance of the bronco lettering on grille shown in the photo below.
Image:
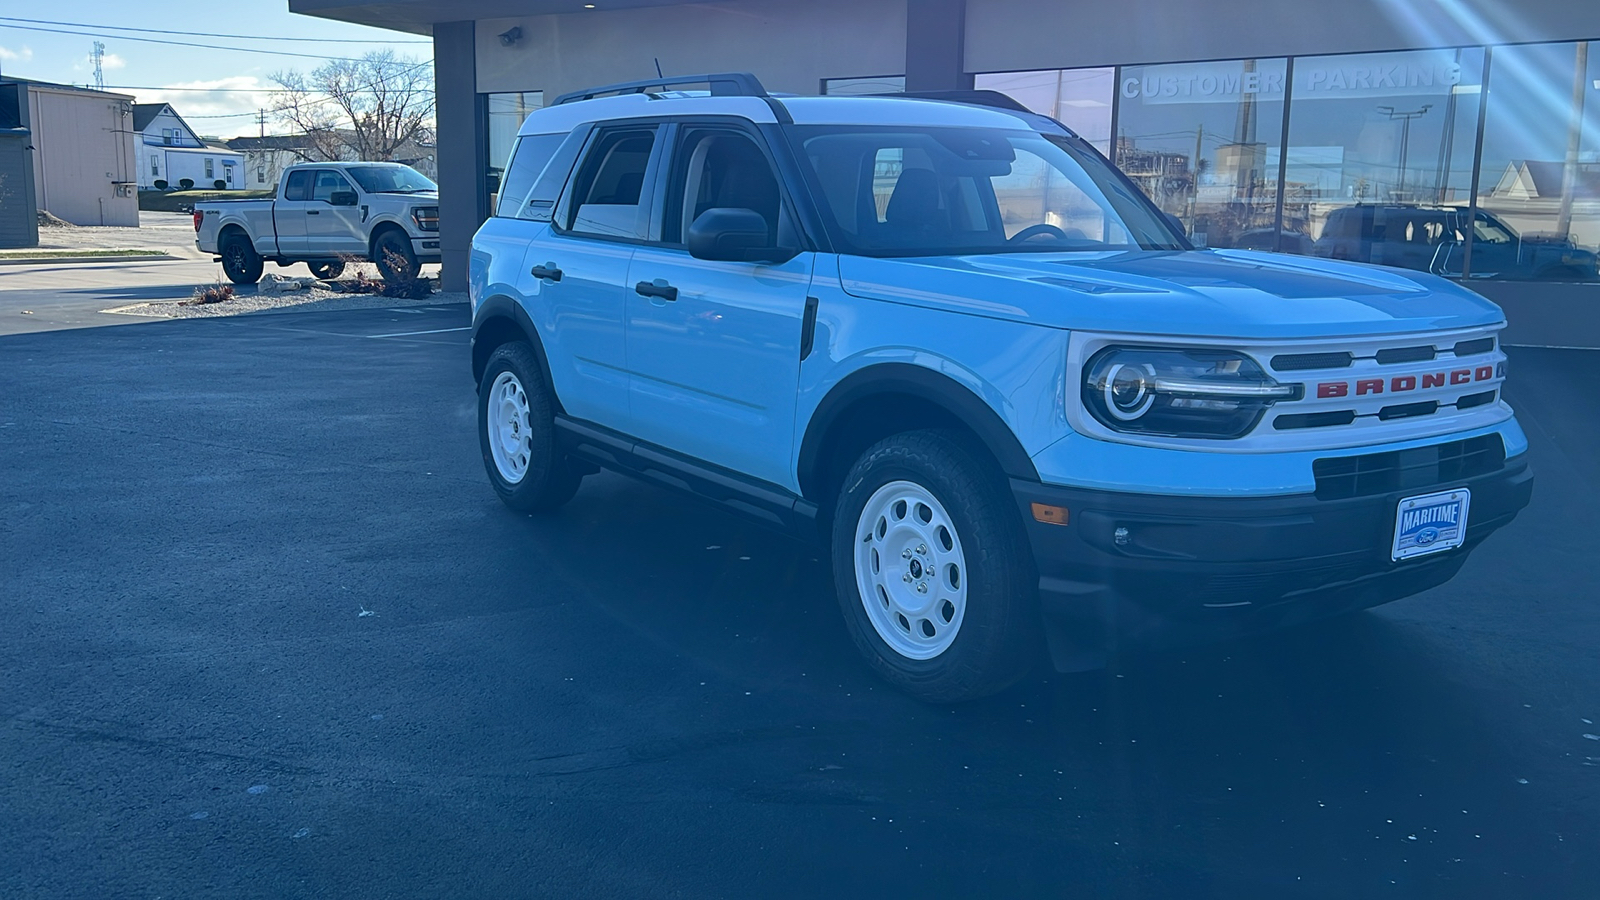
(1400, 384)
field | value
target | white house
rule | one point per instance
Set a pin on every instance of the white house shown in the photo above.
(169, 150)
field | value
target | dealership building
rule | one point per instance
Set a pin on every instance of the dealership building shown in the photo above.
(1460, 137)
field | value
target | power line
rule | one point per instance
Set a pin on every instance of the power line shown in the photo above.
(223, 90)
(243, 37)
(124, 37)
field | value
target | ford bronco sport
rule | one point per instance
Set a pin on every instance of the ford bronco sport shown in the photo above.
(945, 337)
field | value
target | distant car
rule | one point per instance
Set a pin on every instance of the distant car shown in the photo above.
(322, 214)
(1433, 239)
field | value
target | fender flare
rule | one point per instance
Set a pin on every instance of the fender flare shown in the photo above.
(500, 308)
(925, 384)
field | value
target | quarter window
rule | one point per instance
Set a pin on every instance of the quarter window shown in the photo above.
(298, 187)
(527, 162)
(605, 198)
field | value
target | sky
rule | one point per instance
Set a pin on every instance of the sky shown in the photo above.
(217, 91)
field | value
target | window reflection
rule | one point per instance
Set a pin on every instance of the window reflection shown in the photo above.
(1539, 183)
(506, 113)
(1202, 140)
(856, 87)
(1078, 98)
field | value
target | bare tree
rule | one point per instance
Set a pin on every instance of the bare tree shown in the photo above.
(367, 109)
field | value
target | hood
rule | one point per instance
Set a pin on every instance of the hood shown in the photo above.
(1200, 293)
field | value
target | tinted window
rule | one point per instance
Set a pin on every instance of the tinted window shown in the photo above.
(605, 197)
(298, 187)
(719, 169)
(527, 161)
(326, 184)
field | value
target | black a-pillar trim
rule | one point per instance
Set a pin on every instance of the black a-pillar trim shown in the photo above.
(936, 45)
(462, 149)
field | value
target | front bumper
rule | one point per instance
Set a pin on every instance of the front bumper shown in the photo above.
(1202, 568)
(426, 248)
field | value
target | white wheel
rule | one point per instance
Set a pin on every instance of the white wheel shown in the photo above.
(910, 570)
(509, 435)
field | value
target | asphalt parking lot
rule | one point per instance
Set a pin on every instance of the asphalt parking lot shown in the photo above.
(268, 633)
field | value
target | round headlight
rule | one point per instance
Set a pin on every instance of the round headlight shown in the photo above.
(1127, 391)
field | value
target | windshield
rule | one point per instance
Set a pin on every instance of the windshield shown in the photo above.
(942, 191)
(391, 179)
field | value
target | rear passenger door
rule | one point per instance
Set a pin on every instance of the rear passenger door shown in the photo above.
(714, 347)
(289, 213)
(577, 267)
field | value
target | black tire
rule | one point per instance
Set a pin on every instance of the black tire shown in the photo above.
(548, 479)
(326, 270)
(240, 261)
(394, 242)
(998, 638)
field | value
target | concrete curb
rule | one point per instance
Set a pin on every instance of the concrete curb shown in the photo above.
(42, 260)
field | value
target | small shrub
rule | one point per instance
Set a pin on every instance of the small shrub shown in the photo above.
(217, 293)
(405, 282)
(161, 184)
(220, 185)
(186, 184)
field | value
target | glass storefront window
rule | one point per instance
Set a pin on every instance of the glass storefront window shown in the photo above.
(1539, 182)
(1201, 139)
(855, 87)
(1379, 162)
(506, 113)
(1077, 98)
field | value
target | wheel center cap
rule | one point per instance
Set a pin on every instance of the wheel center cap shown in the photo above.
(916, 568)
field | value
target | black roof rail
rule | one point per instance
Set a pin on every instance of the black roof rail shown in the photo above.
(993, 99)
(723, 84)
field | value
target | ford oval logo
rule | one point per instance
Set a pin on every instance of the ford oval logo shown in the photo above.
(1427, 536)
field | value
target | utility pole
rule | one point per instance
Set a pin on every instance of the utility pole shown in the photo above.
(1405, 139)
(99, 56)
(261, 119)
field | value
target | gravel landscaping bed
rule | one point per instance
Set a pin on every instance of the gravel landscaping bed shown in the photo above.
(313, 300)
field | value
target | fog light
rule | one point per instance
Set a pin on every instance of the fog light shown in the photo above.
(1121, 537)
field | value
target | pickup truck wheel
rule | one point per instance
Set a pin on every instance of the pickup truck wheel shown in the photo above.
(398, 244)
(933, 571)
(516, 431)
(326, 270)
(240, 261)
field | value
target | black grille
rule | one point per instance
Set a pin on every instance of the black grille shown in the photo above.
(1405, 354)
(1473, 348)
(1295, 362)
(1314, 420)
(1342, 477)
(1478, 399)
(1407, 410)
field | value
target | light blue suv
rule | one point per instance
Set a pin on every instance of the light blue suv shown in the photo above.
(945, 337)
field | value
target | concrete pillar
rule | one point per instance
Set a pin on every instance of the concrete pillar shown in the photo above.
(936, 45)
(463, 156)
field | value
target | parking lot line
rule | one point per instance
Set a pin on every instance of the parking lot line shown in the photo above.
(411, 333)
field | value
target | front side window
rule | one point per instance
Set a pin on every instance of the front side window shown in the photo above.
(939, 191)
(719, 169)
(605, 196)
(327, 184)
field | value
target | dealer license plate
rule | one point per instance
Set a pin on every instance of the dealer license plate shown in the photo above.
(1430, 523)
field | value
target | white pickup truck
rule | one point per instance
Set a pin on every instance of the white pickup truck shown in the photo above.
(322, 214)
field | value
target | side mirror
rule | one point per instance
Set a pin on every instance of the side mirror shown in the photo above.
(342, 198)
(1177, 224)
(735, 235)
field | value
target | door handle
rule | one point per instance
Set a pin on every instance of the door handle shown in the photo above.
(546, 272)
(664, 291)
(313, 212)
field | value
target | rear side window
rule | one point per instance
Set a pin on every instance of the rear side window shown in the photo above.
(298, 187)
(605, 197)
(531, 155)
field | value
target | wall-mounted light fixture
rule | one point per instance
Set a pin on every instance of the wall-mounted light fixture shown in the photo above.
(511, 36)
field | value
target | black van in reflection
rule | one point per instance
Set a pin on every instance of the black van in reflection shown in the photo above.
(1433, 239)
